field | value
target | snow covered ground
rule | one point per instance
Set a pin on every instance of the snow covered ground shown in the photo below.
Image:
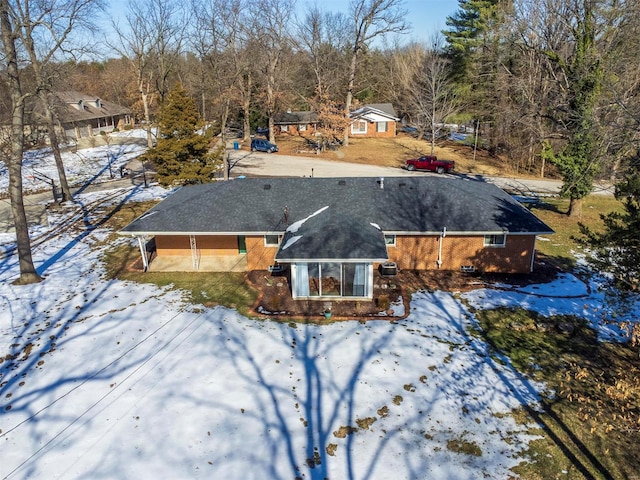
(81, 165)
(110, 379)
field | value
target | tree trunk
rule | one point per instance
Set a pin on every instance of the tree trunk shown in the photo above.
(349, 100)
(271, 100)
(147, 116)
(575, 208)
(55, 147)
(28, 272)
(246, 109)
(223, 124)
(204, 105)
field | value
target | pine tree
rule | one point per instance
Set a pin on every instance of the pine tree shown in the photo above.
(616, 250)
(182, 155)
(467, 26)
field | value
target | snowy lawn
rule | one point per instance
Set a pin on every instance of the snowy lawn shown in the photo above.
(109, 379)
(106, 379)
(81, 165)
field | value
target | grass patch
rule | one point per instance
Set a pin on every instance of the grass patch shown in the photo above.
(561, 247)
(590, 423)
(463, 446)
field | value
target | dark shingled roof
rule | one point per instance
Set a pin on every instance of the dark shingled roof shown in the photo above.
(424, 204)
(331, 234)
(293, 118)
(91, 107)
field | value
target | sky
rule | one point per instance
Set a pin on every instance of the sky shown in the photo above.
(426, 17)
(112, 379)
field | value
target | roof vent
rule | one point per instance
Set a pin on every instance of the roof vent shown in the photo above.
(342, 182)
(402, 184)
(267, 186)
(381, 183)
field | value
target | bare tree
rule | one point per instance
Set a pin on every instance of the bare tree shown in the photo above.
(152, 40)
(268, 29)
(13, 154)
(370, 19)
(166, 22)
(45, 31)
(221, 45)
(320, 36)
(136, 44)
(425, 77)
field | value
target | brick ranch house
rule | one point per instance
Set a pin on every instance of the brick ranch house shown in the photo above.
(296, 123)
(332, 233)
(374, 121)
(370, 121)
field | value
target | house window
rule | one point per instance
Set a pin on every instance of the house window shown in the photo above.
(495, 240)
(381, 127)
(271, 240)
(303, 128)
(359, 126)
(331, 279)
(390, 240)
(284, 128)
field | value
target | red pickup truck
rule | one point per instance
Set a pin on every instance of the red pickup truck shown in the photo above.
(431, 163)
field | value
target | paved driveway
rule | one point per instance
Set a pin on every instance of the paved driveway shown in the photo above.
(277, 165)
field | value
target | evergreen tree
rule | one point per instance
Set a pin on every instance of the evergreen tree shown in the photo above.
(182, 155)
(467, 27)
(578, 160)
(616, 250)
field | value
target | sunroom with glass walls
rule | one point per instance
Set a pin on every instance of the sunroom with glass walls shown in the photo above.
(332, 279)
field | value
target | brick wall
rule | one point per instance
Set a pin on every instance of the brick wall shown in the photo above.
(259, 256)
(208, 245)
(421, 253)
(373, 133)
(411, 252)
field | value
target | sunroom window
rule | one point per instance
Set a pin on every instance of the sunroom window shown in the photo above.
(331, 279)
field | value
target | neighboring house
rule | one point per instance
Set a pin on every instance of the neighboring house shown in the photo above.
(374, 120)
(333, 232)
(82, 115)
(296, 123)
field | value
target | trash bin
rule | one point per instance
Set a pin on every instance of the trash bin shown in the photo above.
(236, 146)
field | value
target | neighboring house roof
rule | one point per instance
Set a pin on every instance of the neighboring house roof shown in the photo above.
(412, 205)
(376, 112)
(72, 106)
(295, 118)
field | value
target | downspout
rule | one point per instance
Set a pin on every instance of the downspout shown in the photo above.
(442, 235)
(143, 253)
(533, 254)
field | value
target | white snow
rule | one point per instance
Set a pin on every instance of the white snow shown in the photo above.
(295, 226)
(96, 164)
(112, 379)
(291, 241)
